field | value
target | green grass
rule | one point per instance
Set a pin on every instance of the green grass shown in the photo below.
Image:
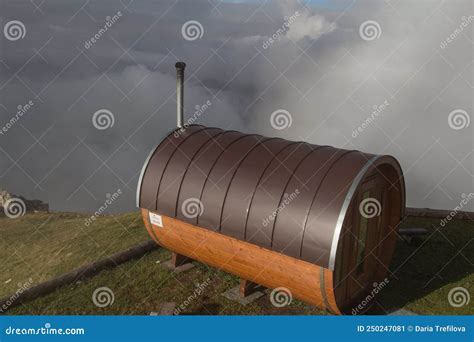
(41, 246)
(140, 286)
(422, 276)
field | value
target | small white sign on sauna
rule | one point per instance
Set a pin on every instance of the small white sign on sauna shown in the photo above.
(156, 220)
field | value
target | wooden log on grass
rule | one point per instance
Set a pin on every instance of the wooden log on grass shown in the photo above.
(75, 275)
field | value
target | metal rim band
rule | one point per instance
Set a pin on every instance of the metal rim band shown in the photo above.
(323, 289)
(342, 213)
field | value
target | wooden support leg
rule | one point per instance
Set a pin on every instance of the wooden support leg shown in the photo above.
(179, 260)
(246, 293)
(247, 287)
(178, 263)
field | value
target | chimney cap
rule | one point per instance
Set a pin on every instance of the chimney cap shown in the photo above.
(180, 65)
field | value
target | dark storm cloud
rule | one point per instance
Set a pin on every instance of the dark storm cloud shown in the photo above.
(319, 69)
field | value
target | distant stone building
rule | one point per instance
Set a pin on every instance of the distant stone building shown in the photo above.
(21, 204)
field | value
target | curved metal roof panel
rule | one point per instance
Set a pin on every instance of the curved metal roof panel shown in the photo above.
(281, 195)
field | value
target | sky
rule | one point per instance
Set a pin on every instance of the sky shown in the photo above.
(383, 77)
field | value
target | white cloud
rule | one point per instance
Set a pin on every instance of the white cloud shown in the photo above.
(309, 26)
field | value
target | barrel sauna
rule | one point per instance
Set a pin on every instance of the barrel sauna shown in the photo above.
(317, 220)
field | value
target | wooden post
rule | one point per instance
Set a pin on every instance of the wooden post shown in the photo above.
(247, 287)
(179, 260)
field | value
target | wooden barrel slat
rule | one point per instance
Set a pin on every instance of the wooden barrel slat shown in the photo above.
(251, 262)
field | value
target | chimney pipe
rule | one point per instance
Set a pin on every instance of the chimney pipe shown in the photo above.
(179, 93)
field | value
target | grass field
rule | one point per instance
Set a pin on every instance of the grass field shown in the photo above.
(422, 275)
(43, 245)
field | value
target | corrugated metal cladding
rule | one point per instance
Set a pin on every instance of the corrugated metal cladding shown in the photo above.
(282, 195)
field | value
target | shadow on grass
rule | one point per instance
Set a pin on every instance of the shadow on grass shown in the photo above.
(424, 273)
(206, 309)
